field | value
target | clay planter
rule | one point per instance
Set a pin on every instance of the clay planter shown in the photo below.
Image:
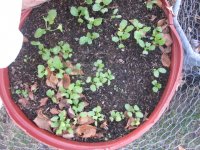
(58, 142)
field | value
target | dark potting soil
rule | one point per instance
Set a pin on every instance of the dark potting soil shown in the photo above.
(132, 70)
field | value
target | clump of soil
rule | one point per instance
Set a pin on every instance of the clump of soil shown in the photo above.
(132, 70)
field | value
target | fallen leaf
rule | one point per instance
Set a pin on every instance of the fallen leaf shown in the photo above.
(85, 120)
(161, 22)
(43, 101)
(165, 50)
(128, 125)
(59, 95)
(54, 111)
(24, 102)
(145, 116)
(104, 125)
(86, 131)
(180, 148)
(70, 113)
(34, 87)
(66, 81)
(31, 95)
(99, 135)
(165, 59)
(52, 81)
(42, 123)
(63, 104)
(74, 71)
(159, 3)
(153, 17)
(40, 113)
(168, 39)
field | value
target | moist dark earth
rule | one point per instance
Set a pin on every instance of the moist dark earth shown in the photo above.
(132, 70)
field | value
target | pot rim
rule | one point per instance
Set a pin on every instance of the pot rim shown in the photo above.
(55, 141)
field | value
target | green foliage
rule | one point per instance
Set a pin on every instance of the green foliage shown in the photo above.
(51, 94)
(88, 39)
(123, 33)
(100, 5)
(157, 37)
(23, 93)
(72, 94)
(102, 77)
(96, 115)
(150, 3)
(116, 116)
(80, 12)
(115, 14)
(94, 22)
(61, 123)
(49, 20)
(156, 86)
(156, 72)
(133, 110)
(55, 63)
(42, 71)
(147, 47)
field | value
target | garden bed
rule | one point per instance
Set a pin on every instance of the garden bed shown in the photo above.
(133, 70)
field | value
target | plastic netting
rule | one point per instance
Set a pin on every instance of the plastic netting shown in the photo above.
(179, 125)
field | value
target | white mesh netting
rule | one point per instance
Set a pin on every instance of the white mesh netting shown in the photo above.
(179, 125)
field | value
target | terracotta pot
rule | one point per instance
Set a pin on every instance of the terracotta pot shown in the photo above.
(52, 140)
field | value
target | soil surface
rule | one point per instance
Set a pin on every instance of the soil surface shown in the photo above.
(132, 70)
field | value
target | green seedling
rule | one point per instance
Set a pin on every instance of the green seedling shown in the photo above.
(123, 33)
(157, 37)
(156, 86)
(101, 5)
(49, 21)
(116, 116)
(51, 95)
(147, 47)
(88, 39)
(73, 94)
(133, 110)
(96, 115)
(135, 122)
(115, 14)
(61, 123)
(63, 49)
(44, 52)
(141, 33)
(102, 77)
(23, 93)
(150, 3)
(138, 25)
(157, 72)
(80, 12)
(94, 22)
(42, 71)
(54, 64)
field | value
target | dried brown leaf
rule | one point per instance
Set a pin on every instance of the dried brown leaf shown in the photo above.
(86, 131)
(85, 120)
(159, 3)
(34, 87)
(68, 136)
(24, 102)
(165, 50)
(161, 22)
(104, 125)
(75, 71)
(165, 59)
(43, 101)
(54, 111)
(66, 81)
(128, 125)
(70, 113)
(153, 17)
(42, 123)
(168, 39)
(31, 95)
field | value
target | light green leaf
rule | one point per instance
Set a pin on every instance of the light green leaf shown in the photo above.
(39, 32)
(74, 11)
(123, 24)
